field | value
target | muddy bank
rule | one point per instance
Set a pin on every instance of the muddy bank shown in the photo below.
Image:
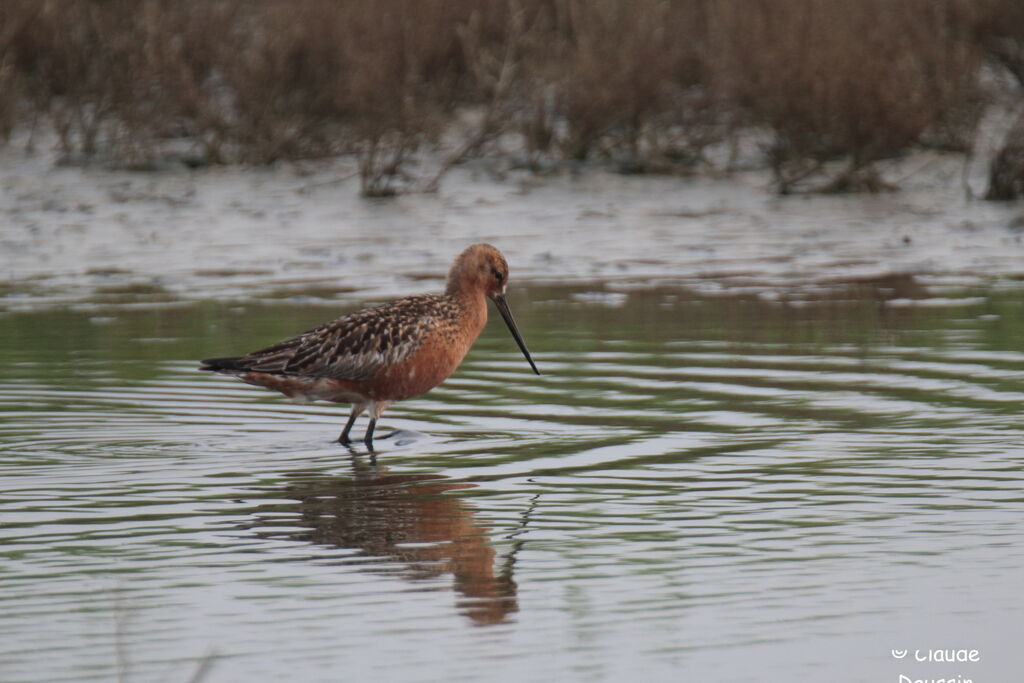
(70, 234)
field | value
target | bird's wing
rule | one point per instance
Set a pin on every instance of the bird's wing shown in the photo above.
(353, 347)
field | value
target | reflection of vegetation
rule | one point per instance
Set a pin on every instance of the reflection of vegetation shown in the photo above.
(139, 338)
(403, 520)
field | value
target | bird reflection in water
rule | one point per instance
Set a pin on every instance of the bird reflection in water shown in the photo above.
(406, 519)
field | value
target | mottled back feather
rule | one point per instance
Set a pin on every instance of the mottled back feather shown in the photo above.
(355, 346)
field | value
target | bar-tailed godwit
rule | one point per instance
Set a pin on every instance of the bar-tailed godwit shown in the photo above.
(376, 356)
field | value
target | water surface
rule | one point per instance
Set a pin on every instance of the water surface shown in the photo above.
(698, 488)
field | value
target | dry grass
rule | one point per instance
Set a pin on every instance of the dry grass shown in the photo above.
(834, 82)
(412, 87)
(625, 81)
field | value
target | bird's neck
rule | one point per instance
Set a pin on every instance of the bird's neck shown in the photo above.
(473, 304)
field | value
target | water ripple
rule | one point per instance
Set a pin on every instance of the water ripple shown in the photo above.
(745, 493)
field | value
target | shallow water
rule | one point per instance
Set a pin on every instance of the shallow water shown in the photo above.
(697, 488)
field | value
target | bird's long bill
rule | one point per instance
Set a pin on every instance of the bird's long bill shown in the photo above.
(506, 314)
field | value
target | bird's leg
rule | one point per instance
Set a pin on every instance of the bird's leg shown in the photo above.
(368, 439)
(375, 408)
(357, 410)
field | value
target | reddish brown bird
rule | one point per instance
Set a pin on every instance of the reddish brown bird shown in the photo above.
(387, 353)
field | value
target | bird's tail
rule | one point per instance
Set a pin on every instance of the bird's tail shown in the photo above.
(221, 364)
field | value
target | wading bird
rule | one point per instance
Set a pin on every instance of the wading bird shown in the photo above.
(376, 356)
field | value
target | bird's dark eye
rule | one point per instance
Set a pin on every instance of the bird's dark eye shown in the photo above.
(497, 274)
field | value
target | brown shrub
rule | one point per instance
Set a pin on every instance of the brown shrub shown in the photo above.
(852, 80)
(65, 53)
(377, 80)
(116, 77)
(647, 84)
(999, 29)
(999, 26)
(14, 17)
(1006, 171)
(616, 79)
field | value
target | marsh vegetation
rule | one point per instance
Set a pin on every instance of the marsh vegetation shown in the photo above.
(818, 92)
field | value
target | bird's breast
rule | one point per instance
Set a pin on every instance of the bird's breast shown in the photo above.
(437, 357)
